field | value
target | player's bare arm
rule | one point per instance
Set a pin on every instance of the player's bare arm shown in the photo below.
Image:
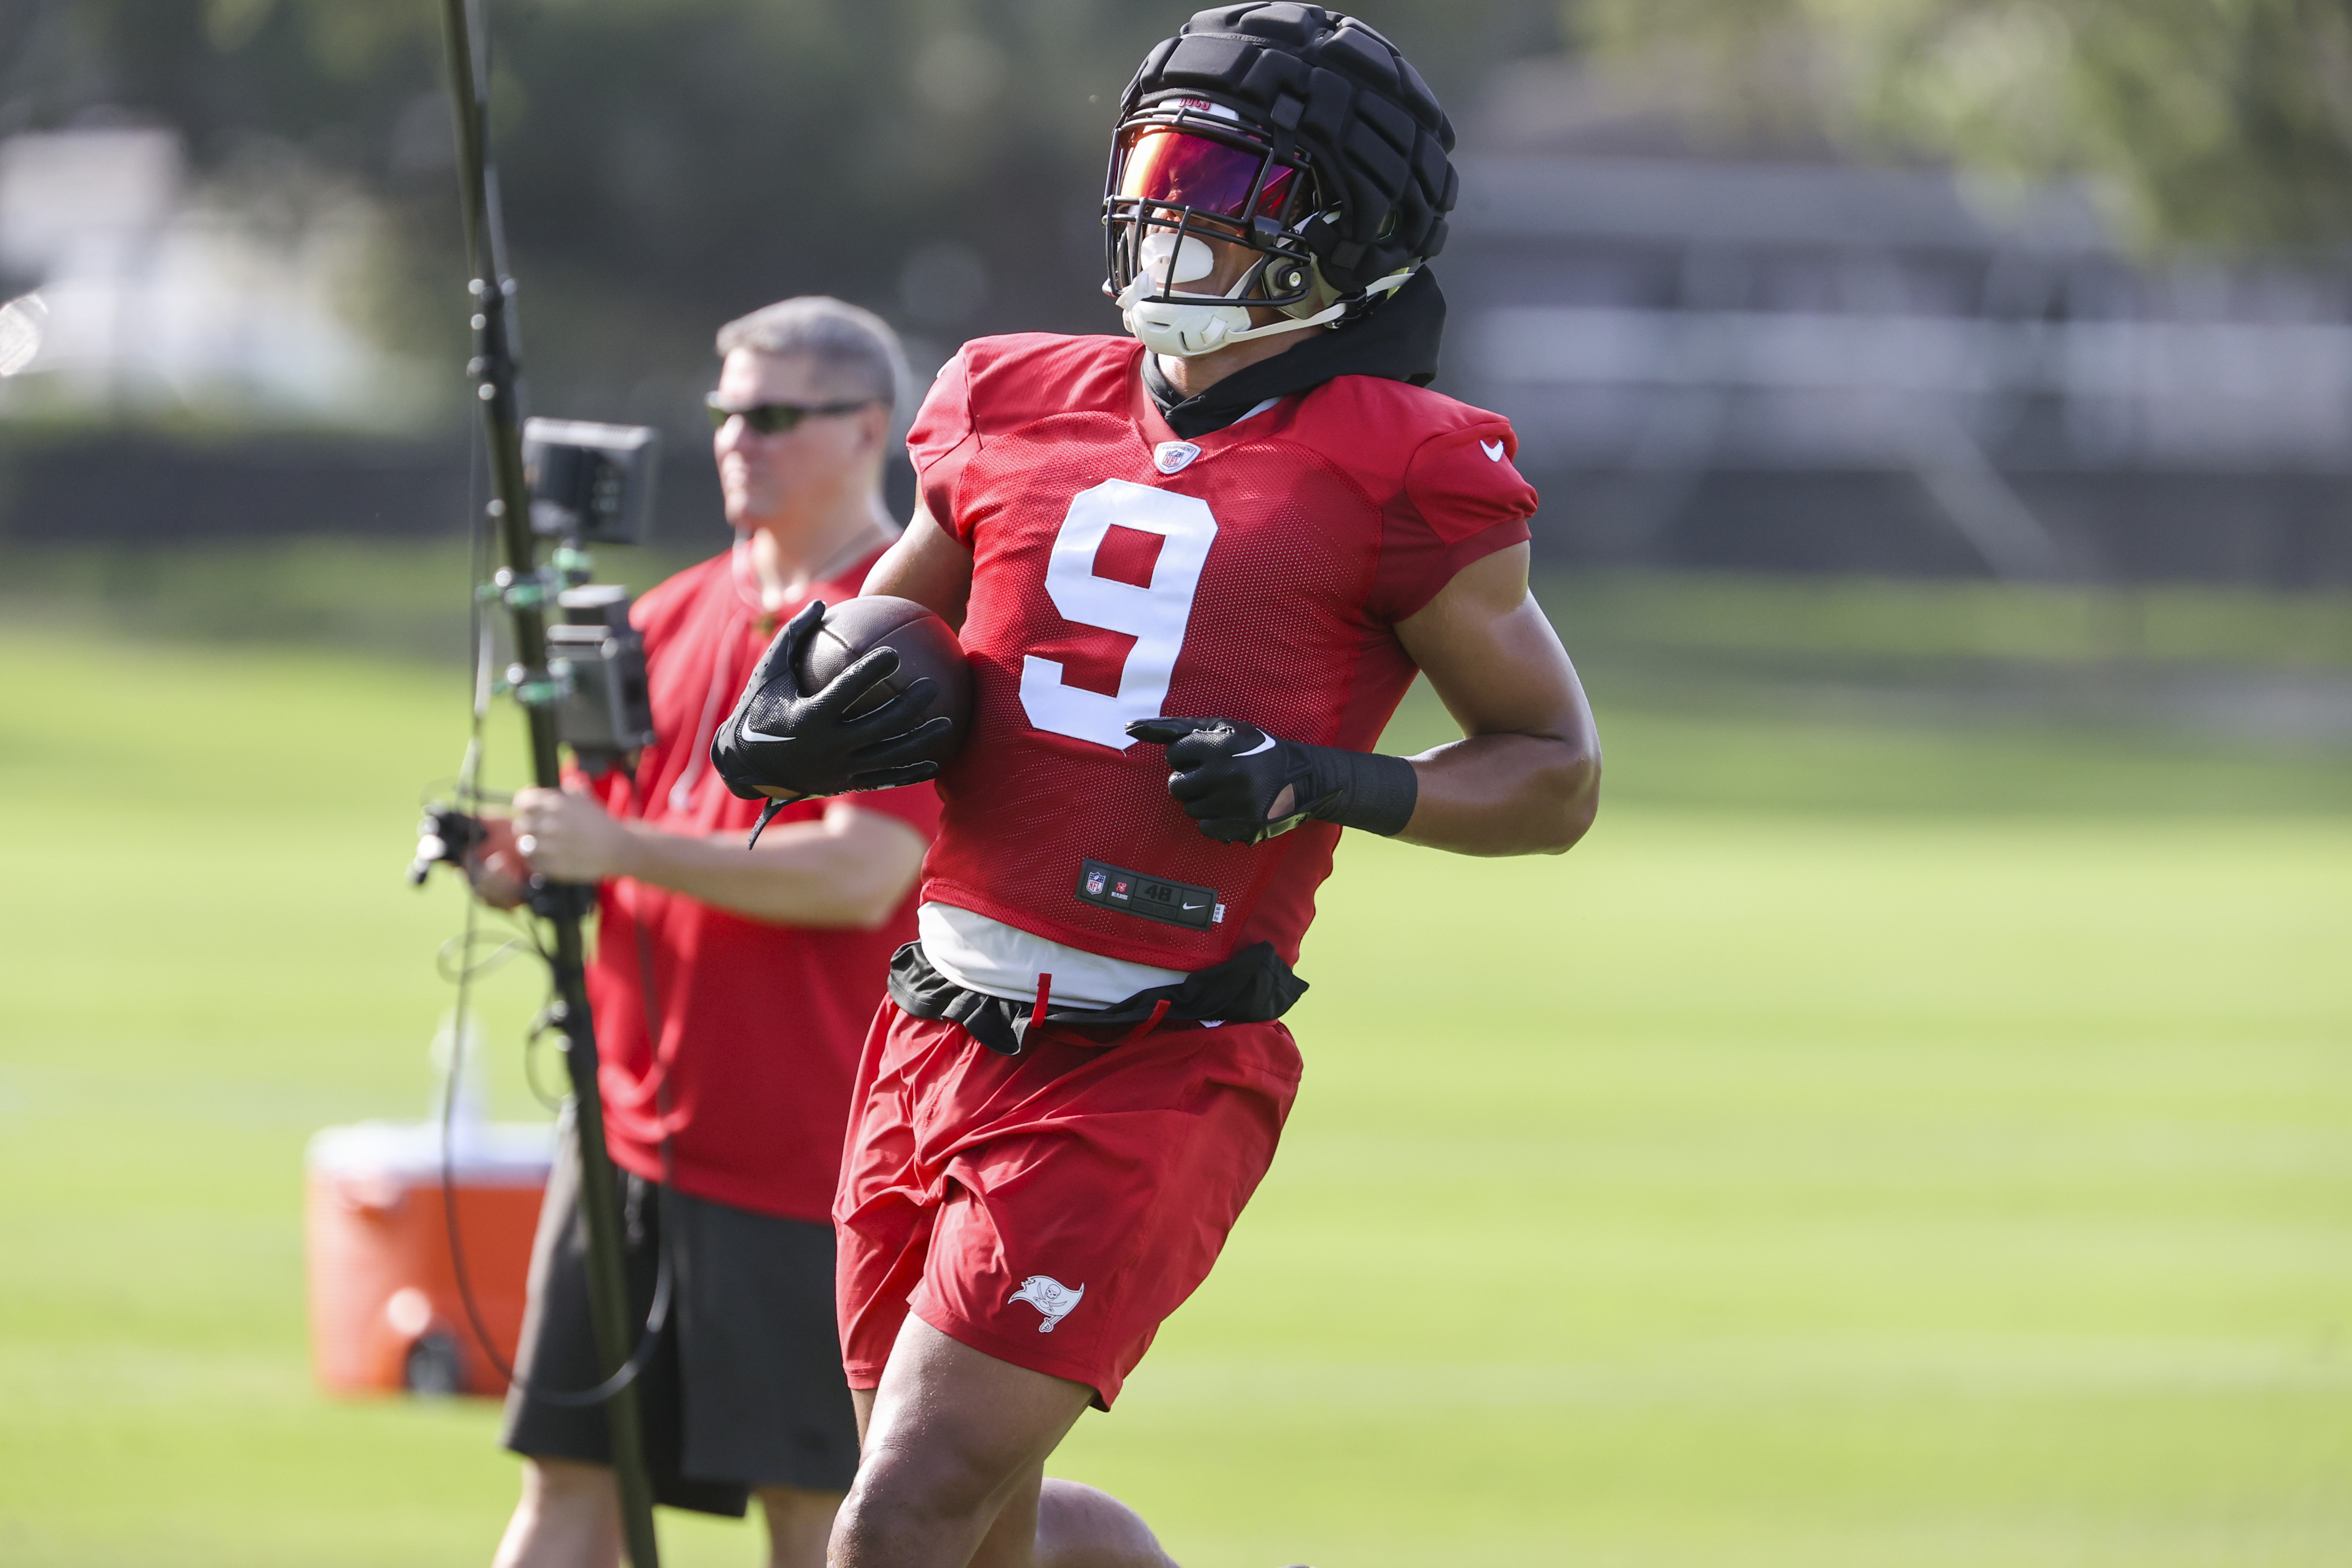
(1526, 777)
(929, 565)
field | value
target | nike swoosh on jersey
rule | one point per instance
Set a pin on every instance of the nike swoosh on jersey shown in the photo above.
(1494, 450)
(1265, 743)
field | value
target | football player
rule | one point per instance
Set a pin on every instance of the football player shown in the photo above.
(1194, 570)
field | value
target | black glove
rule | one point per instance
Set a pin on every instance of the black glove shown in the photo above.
(785, 745)
(1229, 775)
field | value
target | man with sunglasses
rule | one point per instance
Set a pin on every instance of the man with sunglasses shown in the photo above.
(732, 990)
(1194, 572)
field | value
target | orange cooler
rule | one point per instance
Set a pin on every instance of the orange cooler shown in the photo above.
(385, 1314)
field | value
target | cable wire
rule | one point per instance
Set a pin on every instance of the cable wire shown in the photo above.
(656, 1314)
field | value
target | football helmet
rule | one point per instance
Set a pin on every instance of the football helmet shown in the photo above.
(1295, 131)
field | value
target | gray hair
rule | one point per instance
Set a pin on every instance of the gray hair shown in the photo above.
(854, 345)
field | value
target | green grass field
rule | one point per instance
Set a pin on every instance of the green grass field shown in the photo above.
(1881, 1144)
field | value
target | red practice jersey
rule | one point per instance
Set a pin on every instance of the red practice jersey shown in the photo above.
(1118, 573)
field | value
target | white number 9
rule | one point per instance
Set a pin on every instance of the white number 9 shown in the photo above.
(1155, 617)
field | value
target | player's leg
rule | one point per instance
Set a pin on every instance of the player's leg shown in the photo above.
(986, 1219)
(1053, 1523)
(1079, 1526)
(956, 1443)
(952, 1437)
(569, 1517)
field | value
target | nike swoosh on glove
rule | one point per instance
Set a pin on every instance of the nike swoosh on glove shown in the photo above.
(787, 744)
(1229, 775)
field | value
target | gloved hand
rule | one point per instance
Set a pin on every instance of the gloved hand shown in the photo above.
(1231, 777)
(786, 745)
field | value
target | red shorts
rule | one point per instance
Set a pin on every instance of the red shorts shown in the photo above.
(1049, 1209)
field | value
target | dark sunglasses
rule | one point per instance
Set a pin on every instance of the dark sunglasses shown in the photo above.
(776, 418)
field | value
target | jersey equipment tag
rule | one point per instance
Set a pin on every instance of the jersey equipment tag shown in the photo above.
(1133, 893)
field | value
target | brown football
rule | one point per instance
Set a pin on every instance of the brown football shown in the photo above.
(925, 644)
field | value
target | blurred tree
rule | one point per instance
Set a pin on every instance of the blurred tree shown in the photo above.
(669, 163)
(2215, 122)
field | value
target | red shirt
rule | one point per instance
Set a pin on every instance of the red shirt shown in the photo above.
(1256, 573)
(759, 1026)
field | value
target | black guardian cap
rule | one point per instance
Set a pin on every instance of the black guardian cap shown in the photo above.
(1304, 134)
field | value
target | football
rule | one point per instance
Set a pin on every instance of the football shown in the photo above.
(925, 644)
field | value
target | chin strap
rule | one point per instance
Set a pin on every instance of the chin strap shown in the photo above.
(1184, 329)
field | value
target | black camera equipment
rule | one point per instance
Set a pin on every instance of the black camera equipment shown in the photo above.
(447, 834)
(597, 661)
(582, 682)
(589, 483)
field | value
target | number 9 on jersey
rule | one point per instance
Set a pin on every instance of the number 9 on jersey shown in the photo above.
(1154, 613)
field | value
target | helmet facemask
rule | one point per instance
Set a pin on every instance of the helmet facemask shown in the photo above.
(1184, 172)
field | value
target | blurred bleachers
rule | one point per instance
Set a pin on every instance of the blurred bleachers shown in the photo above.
(1745, 351)
(1799, 362)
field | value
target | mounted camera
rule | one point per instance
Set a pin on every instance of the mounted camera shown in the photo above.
(589, 483)
(593, 484)
(603, 710)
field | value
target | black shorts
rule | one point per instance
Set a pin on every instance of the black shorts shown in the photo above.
(745, 1388)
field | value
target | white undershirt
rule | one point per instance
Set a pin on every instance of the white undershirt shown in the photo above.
(998, 960)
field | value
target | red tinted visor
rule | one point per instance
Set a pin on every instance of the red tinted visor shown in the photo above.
(1170, 169)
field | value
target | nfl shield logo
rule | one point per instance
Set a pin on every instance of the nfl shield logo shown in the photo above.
(1095, 884)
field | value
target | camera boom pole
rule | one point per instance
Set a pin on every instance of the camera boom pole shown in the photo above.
(526, 594)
